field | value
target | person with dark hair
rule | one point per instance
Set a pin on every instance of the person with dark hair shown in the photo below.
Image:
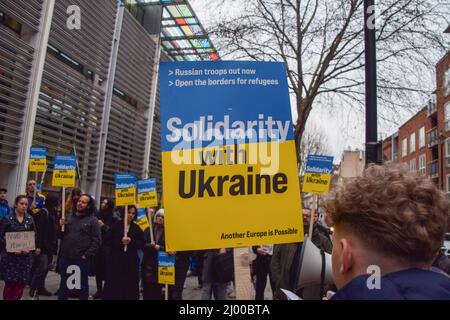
(284, 266)
(15, 268)
(390, 221)
(53, 206)
(72, 200)
(36, 200)
(122, 267)
(218, 272)
(80, 242)
(5, 210)
(106, 220)
(181, 269)
(45, 245)
(261, 267)
(152, 289)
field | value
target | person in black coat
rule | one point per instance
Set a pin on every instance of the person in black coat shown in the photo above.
(45, 243)
(181, 269)
(15, 268)
(218, 272)
(80, 242)
(261, 268)
(153, 290)
(122, 268)
(106, 220)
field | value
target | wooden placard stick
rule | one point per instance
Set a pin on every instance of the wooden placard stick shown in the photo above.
(125, 226)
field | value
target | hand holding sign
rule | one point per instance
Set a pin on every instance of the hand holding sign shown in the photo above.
(126, 241)
(125, 185)
(20, 242)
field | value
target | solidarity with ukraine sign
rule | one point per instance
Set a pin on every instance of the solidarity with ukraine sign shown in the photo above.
(147, 196)
(318, 172)
(64, 171)
(38, 159)
(166, 268)
(228, 154)
(125, 189)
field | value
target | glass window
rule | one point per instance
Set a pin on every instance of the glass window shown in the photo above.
(447, 147)
(447, 116)
(404, 146)
(412, 165)
(447, 152)
(446, 84)
(422, 137)
(412, 142)
(448, 183)
(422, 164)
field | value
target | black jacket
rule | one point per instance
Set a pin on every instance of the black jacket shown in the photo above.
(46, 231)
(81, 237)
(11, 224)
(150, 260)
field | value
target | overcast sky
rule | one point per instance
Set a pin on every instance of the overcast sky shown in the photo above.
(343, 127)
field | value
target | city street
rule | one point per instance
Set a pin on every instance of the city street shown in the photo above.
(191, 291)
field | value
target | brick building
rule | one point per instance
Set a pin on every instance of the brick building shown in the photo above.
(423, 142)
(443, 119)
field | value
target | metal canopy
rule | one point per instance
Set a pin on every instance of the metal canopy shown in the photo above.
(182, 35)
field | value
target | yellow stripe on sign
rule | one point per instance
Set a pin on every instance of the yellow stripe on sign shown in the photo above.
(316, 182)
(143, 223)
(125, 197)
(147, 199)
(223, 205)
(38, 165)
(63, 178)
(166, 275)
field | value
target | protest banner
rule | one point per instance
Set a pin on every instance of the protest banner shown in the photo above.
(64, 172)
(228, 155)
(317, 179)
(147, 196)
(125, 191)
(318, 172)
(166, 270)
(38, 163)
(38, 159)
(20, 241)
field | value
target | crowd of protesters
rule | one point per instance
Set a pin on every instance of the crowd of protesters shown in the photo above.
(388, 217)
(92, 241)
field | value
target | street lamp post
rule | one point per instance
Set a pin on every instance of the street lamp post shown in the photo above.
(371, 82)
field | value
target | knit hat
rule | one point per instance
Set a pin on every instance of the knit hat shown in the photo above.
(160, 212)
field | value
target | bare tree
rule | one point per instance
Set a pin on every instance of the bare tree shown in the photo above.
(313, 142)
(322, 44)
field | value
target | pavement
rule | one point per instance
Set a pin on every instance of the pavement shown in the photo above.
(191, 291)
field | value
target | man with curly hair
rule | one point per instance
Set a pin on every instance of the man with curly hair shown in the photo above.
(390, 220)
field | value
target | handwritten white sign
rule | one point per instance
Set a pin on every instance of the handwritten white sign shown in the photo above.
(20, 241)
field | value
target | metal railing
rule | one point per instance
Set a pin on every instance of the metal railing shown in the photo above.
(433, 137)
(433, 169)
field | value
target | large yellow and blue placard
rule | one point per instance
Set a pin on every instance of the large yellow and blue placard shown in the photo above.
(64, 171)
(230, 177)
(166, 268)
(125, 189)
(318, 172)
(147, 196)
(38, 159)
